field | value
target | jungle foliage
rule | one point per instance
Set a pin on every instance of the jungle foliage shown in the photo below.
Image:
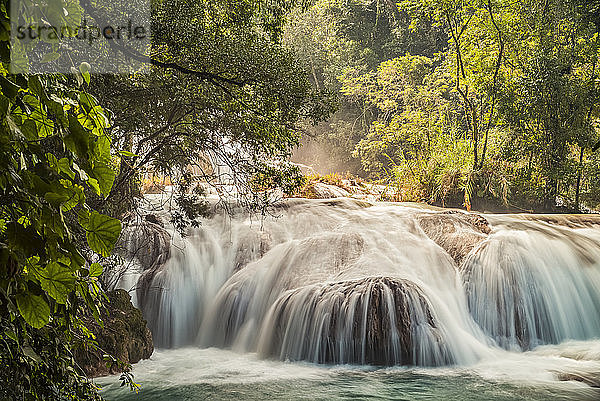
(54, 148)
(220, 88)
(486, 102)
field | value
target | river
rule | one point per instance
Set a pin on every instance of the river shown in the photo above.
(343, 299)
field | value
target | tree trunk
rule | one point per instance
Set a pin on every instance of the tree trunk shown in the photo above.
(578, 184)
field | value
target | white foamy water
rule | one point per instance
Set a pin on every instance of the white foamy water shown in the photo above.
(347, 282)
(216, 374)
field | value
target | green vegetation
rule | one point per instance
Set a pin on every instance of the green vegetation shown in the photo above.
(232, 95)
(486, 103)
(54, 149)
(73, 150)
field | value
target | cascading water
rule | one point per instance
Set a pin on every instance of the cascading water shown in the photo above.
(345, 281)
(536, 284)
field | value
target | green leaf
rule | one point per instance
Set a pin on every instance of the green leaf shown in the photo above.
(84, 68)
(87, 101)
(93, 183)
(35, 85)
(126, 153)
(34, 310)
(55, 105)
(9, 88)
(54, 224)
(76, 259)
(32, 101)
(4, 104)
(101, 148)
(84, 218)
(75, 197)
(66, 197)
(78, 139)
(45, 126)
(105, 176)
(11, 334)
(13, 127)
(56, 199)
(27, 350)
(102, 233)
(95, 270)
(65, 166)
(52, 162)
(30, 130)
(57, 281)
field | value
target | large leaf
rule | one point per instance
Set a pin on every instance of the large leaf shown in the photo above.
(34, 310)
(58, 281)
(77, 139)
(30, 130)
(45, 126)
(67, 198)
(65, 166)
(95, 270)
(105, 177)
(101, 148)
(9, 89)
(102, 233)
(76, 197)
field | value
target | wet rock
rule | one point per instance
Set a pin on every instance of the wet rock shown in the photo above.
(256, 245)
(591, 379)
(292, 204)
(376, 320)
(152, 218)
(566, 220)
(456, 232)
(125, 336)
(326, 191)
(147, 241)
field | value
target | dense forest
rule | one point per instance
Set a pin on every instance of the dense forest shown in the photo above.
(476, 104)
(459, 102)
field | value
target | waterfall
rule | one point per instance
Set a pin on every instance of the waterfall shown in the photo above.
(345, 281)
(536, 285)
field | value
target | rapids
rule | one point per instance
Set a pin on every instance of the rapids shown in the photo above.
(343, 281)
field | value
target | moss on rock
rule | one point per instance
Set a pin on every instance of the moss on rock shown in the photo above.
(125, 336)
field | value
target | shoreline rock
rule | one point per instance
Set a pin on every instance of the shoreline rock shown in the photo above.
(456, 232)
(125, 336)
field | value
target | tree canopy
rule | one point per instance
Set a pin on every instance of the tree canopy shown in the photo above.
(496, 102)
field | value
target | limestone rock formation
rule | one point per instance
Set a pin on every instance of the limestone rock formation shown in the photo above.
(456, 232)
(320, 190)
(125, 336)
(377, 321)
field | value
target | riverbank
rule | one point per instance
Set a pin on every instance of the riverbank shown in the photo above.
(336, 185)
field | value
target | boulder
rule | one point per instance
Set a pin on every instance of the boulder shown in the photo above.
(589, 378)
(125, 336)
(320, 190)
(376, 320)
(456, 232)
